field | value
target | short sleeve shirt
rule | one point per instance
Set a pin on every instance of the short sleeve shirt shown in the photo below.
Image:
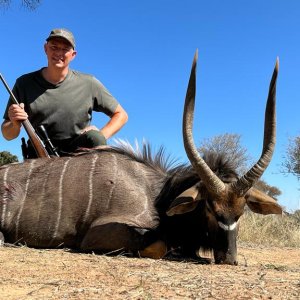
(64, 108)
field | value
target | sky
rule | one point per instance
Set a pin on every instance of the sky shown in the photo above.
(142, 52)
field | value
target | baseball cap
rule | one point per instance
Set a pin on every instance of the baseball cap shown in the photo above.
(62, 33)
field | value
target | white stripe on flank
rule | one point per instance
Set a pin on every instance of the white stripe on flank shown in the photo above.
(5, 195)
(24, 198)
(91, 176)
(227, 227)
(60, 198)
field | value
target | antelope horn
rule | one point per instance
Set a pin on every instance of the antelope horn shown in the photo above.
(209, 178)
(247, 181)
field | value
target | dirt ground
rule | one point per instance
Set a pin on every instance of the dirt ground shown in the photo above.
(262, 273)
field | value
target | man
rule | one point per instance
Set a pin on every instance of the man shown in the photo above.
(62, 100)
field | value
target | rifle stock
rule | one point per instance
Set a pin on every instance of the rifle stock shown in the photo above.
(37, 143)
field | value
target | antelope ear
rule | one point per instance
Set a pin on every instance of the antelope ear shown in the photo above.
(261, 203)
(184, 203)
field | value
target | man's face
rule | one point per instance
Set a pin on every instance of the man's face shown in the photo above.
(59, 52)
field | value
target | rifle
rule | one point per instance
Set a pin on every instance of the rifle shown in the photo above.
(45, 138)
(37, 143)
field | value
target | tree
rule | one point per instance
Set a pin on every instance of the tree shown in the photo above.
(270, 190)
(291, 163)
(29, 4)
(230, 146)
(7, 158)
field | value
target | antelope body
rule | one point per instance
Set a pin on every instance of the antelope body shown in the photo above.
(110, 199)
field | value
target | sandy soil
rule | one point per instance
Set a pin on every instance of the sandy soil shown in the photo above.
(263, 273)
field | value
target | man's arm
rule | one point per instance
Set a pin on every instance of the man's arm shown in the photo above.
(116, 122)
(11, 128)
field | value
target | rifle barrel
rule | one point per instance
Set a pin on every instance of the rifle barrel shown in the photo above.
(9, 90)
(35, 140)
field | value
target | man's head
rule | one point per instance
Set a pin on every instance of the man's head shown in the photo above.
(62, 34)
(59, 48)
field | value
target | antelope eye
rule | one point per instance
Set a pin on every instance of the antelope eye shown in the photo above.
(236, 218)
(221, 219)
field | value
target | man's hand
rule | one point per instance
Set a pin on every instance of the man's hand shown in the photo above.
(11, 128)
(17, 114)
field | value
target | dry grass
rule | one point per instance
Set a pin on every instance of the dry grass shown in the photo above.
(33, 274)
(264, 272)
(271, 230)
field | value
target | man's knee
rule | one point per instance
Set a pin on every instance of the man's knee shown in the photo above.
(95, 138)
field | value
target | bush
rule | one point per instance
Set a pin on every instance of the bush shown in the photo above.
(7, 158)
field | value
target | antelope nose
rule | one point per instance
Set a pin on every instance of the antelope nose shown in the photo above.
(230, 261)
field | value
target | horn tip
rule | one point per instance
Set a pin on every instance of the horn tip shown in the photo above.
(277, 63)
(196, 55)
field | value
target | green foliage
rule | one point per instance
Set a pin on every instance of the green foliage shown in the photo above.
(7, 158)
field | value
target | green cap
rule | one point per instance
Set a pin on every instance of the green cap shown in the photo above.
(62, 33)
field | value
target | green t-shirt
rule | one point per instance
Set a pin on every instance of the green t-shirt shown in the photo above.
(65, 108)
